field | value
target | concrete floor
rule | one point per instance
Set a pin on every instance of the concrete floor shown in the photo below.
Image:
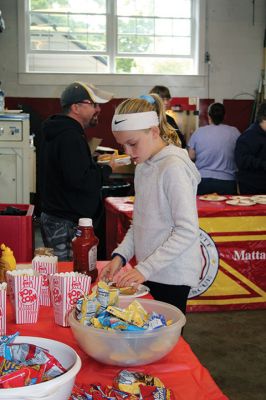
(231, 345)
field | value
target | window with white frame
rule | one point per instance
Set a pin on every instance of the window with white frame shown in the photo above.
(112, 36)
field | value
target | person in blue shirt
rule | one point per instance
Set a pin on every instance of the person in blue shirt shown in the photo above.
(212, 148)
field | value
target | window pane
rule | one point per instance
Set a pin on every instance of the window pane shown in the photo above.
(135, 44)
(92, 6)
(182, 27)
(164, 45)
(158, 8)
(136, 25)
(171, 45)
(173, 27)
(149, 65)
(152, 36)
(172, 8)
(164, 26)
(137, 7)
(67, 32)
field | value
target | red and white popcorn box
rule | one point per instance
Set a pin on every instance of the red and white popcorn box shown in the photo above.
(25, 289)
(66, 289)
(3, 287)
(9, 290)
(45, 265)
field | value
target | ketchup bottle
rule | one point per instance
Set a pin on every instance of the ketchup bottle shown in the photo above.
(84, 247)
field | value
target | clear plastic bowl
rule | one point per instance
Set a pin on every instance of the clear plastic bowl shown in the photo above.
(130, 348)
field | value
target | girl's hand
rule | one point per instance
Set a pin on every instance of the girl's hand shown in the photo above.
(112, 161)
(131, 278)
(110, 269)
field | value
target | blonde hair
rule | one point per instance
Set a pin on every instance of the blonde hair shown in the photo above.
(152, 102)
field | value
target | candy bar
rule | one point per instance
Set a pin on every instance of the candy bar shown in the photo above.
(155, 393)
(130, 382)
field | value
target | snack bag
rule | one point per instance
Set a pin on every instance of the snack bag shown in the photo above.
(130, 381)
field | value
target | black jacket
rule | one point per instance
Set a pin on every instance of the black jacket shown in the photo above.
(70, 181)
(250, 155)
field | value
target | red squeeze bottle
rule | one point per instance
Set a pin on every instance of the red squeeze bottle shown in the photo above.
(84, 247)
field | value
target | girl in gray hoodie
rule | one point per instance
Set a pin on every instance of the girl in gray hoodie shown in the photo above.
(164, 234)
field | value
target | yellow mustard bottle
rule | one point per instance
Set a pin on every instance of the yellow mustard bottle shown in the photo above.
(7, 261)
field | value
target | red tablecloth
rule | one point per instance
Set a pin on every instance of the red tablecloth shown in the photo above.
(233, 244)
(180, 370)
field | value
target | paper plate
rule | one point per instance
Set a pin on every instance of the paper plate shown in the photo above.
(212, 198)
(103, 162)
(241, 202)
(236, 197)
(141, 291)
(118, 161)
(259, 199)
(13, 111)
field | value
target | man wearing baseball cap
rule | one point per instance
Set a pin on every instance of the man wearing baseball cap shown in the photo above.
(70, 181)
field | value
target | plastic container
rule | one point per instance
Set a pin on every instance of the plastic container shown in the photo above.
(130, 348)
(58, 388)
(84, 247)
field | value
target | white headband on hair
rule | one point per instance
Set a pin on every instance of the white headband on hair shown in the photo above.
(134, 121)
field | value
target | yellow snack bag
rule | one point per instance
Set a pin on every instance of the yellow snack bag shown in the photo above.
(140, 315)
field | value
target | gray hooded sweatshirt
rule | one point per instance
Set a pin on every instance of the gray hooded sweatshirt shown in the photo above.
(164, 234)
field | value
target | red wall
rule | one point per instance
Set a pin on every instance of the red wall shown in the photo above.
(42, 108)
(238, 113)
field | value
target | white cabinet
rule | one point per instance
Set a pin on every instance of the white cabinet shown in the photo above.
(17, 159)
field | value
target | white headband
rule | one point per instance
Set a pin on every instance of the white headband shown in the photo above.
(134, 121)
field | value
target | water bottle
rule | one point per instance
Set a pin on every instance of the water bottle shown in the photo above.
(2, 100)
(84, 247)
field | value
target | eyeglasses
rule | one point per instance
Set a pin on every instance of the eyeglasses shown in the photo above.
(95, 105)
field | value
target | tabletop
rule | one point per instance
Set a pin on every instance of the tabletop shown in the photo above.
(205, 208)
(180, 369)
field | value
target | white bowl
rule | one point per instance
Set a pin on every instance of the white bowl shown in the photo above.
(130, 348)
(59, 388)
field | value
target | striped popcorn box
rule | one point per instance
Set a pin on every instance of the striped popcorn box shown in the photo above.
(66, 289)
(9, 290)
(45, 265)
(3, 287)
(25, 289)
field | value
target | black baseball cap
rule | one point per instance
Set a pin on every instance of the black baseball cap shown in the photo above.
(78, 91)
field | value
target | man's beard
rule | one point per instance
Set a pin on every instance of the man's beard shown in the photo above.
(94, 121)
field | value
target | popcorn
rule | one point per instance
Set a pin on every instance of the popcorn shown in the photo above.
(25, 288)
(45, 265)
(66, 288)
